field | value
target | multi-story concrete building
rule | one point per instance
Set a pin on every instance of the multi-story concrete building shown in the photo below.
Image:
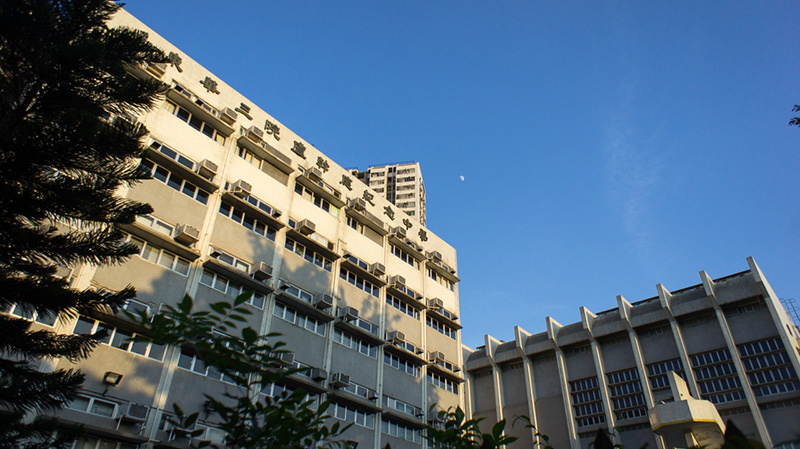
(729, 338)
(400, 183)
(366, 298)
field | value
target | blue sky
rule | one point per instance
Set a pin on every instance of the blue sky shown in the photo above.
(605, 146)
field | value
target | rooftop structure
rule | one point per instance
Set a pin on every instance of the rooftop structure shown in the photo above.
(399, 183)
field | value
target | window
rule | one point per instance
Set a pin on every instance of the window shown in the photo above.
(156, 224)
(308, 254)
(247, 220)
(398, 363)
(93, 405)
(404, 256)
(316, 198)
(401, 406)
(586, 401)
(154, 254)
(443, 382)
(401, 306)
(231, 288)
(41, 318)
(230, 259)
(172, 154)
(359, 282)
(92, 442)
(400, 431)
(175, 181)
(355, 343)
(255, 160)
(360, 390)
(768, 367)
(353, 223)
(299, 319)
(190, 361)
(716, 376)
(440, 327)
(440, 279)
(121, 339)
(657, 373)
(296, 291)
(195, 122)
(625, 389)
(349, 414)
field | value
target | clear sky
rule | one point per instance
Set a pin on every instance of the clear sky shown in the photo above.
(605, 146)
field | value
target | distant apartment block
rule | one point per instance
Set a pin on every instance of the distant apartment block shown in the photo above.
(401, 184)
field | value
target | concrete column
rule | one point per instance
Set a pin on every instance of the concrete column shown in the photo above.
(527, 373)
(552, 333)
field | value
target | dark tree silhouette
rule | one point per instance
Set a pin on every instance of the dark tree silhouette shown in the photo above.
(602, 441)
(795, 121)
(64, 152)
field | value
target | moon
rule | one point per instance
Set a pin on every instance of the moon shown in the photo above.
(462, 177)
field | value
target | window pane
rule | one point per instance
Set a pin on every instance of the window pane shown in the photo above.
(202, 196)
(161, 174)
(139, 347)
(149, 253)
(183, 114)
(167, 260)
(174, 182)
(207, 278)
(195, 123)
(157, 351)
(121, 339)
(103, 408)
(185, 361)
(182, 266)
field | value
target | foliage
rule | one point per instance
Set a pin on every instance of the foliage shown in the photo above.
(250, 361)
(735, 439)
(62, 76)
(457, 432)
(540, 439)
(795, 121)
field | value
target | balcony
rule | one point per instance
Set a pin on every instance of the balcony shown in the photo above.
(359, 327)
(249, 279)
(406, 350)
(437, 364)
(163, 240)
(306, 235)
(252, 139)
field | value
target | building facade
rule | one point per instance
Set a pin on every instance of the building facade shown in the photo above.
(365, 298)
(729, 339)
(401, 184)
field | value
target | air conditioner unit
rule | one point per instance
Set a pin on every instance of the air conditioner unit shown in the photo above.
(286, 358)
(419, 351)
(395, 337)
(228, 116)
(436, 304)
(397, 280)
(276, 213)
(373, 395)
(241, 188)
(348, 313)
(456, 369)
(378, 269)
(207, 169)
(314, 173)
(339, 380)
(436, 356)
(323, 301)
(157, 68)
(263, 272)
(318, 374)
(435, 255)
(358, 204)
(255, 134)
(305, 227)
(433, 416)
(176, 432)
(135, 412)
(399, 231)
(186, 234)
